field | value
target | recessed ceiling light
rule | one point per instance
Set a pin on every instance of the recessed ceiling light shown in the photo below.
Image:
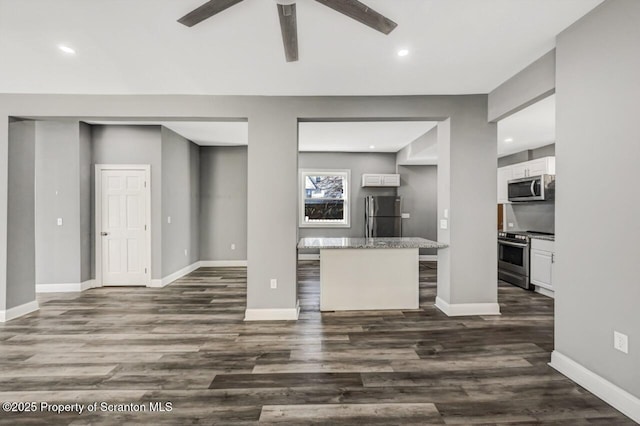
(507, 140)
(403, 52)
(66, 49)
(372, 147)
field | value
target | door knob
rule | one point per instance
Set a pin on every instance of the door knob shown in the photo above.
(104, 234)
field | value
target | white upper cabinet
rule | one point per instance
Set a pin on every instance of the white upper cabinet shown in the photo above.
(541, 166)
(376, 179)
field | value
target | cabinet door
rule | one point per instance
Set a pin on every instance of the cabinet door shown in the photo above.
(504, 175)
(371, 180)
(519, 170)
(390, 180)
(541, 268)
(537, 167)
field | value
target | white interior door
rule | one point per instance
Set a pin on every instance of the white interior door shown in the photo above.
(123, 228)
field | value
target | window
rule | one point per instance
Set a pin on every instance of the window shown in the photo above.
(324, 198)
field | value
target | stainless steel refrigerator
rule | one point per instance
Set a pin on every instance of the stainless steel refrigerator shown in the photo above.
(382, 216)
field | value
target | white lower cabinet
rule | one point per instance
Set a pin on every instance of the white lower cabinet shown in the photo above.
(542, 264)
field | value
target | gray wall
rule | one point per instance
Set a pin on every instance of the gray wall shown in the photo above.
(418, 152)
(136, 145)
(271, 232)
(466, 271)
(273, 151)
(358, 163)
(59, 254)
(531, 154)
(20, 215)
(419, 192)
(223, 208)
(86, 206)
(596, 277)
(180, 201)
(538, 216)
(535, 82)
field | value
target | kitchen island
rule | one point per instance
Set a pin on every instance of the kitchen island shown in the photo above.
(369, 273)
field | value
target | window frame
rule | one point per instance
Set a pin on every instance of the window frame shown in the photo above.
(302, 174)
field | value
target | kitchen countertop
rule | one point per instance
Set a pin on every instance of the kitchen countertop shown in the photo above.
(368, 243)
(543, 237)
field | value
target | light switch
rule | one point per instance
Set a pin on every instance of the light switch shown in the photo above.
(406, 215)
(446, 213)
(168, 219)
(59, 221)
(444, 223)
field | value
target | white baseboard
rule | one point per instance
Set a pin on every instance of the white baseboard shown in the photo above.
(86, 285)
(159, 283)
(19, 311)
(290, 314)
(65, 287)
(615, 396)
(428, 257)
(465, 309)
(545, 292)
(308, 256)
(222, 263)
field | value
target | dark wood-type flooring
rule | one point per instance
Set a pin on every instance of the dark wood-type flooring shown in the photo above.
(188, 344)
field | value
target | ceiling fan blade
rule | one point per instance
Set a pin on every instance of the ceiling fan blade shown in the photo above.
(289, 29)
(361, 13)
(205, 11)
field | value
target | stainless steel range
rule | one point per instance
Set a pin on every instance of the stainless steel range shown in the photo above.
(513, 257)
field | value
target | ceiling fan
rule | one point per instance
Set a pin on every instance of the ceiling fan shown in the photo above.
(288, 24)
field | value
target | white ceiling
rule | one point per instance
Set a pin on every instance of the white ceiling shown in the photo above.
(384, 136)
(204, 133)
(533, 127)
(137, 47)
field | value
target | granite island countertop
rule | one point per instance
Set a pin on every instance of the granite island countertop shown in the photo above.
(368, 243)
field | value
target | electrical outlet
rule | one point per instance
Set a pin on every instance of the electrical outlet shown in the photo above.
(274, 283)
(59, 221)
(510, 225)
(621, 342)
(186, 252)
(444, 223)
(233, 246)
(406, 215)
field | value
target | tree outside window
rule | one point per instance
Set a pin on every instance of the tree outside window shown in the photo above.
(324, 198)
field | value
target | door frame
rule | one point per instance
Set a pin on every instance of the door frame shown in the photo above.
(99, 168)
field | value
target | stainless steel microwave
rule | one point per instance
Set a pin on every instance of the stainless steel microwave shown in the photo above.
(532, 188)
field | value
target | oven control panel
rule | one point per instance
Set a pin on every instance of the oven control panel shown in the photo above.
(512, 236)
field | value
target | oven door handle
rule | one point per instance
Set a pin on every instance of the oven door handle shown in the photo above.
(533, 187)
(507, 243)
